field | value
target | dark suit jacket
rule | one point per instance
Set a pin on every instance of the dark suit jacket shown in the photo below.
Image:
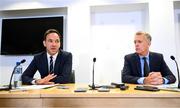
(132, 67)
(62, 68)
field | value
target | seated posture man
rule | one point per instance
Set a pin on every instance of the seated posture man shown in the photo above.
(145, 67)
(54, 65)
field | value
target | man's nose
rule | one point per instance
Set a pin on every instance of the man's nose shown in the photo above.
(53, 43)
(136, 44)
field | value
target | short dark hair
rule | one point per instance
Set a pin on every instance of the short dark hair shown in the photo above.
(51, 31)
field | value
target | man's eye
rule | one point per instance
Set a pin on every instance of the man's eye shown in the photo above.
(49, 40)
(57, 41)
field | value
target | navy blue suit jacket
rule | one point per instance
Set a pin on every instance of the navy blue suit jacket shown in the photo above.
(62, 67)
(132, 67)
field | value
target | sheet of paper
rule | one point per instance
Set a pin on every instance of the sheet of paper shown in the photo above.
(33, 87)
(169, 87)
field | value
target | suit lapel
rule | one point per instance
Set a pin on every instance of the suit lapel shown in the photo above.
(150, 61)
(58, 62)
(45, 62)
(138, 64)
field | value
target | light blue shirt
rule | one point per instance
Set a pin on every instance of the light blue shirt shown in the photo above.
(141, 80)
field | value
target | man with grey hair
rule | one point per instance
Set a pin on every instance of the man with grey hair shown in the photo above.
(145, 67)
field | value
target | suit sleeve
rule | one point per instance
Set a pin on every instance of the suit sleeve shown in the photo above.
(166, 72)
(28, 74)
(66, 70)
(127, 76)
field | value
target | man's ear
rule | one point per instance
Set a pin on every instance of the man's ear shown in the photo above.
(44, 43)
(149, 43)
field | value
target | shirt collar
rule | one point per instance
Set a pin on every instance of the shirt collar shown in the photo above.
(147, 56)
(54, 56)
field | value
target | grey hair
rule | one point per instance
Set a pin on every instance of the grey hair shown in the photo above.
(147, 35)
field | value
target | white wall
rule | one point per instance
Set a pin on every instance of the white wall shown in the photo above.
(177, 27)
(162, 29)
(103, 29)
(112, 33)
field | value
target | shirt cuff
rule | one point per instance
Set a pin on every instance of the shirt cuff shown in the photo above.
(141, 80)
(165, 81)
(33, 82)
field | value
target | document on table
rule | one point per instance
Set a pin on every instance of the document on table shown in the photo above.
(34, 87)
(169, 87)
